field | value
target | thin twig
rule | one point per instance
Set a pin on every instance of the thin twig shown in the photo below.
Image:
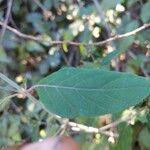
(10, 82)
(115, 123)
(9, 5)
(100, 43)
(40, 5)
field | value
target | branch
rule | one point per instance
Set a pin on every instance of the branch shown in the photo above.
(80, 127)
(39, 39)
(103, 130)
(120, 36)
(18, 33)
(9, 5)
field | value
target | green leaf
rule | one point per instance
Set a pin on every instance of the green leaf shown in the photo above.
(45, 40)
(107, 59)
(144, 37)
(107, 4)
(148, 122)
(37, 22)
(9, 41)
(68, 36)
(34, 47)
(65, 47)
(3, 56)
(131, 2)
(33, 17)
(86, 35)
(144, 138)
(48, 4)
(145, 15)
(88, 10)
(125, 138)
(74, 92)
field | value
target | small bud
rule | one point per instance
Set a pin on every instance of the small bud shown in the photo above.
(111, 140)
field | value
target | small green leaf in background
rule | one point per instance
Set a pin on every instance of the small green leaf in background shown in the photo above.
(148, 122)
(9, 41)
(83, 50)
(34, 47)
(131, 2)
(4, 103)
(3, 56)
(86, 10)
(74, 92)
(144, 139)
(145, 14)
(68, 35)
(52, 61)
(65, 47)
(125, 138)
(107, 4)
(144, 37)
(86, 35)
(36, 19)
(107, 59)
(45, 39)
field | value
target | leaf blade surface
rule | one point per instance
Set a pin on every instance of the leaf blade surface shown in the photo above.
(74, 92)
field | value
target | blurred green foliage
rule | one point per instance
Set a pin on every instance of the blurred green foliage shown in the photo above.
(26, 61)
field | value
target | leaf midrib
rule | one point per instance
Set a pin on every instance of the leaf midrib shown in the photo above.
(89, 89)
